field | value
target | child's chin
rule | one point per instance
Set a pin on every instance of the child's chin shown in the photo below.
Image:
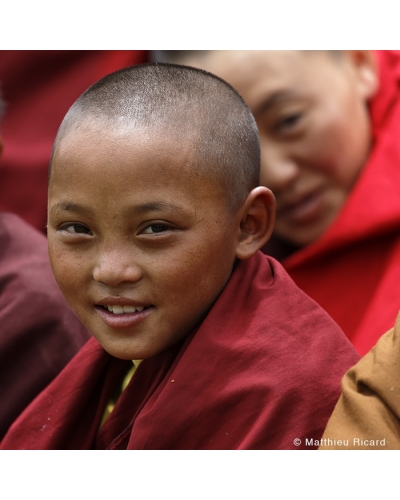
(129, 352)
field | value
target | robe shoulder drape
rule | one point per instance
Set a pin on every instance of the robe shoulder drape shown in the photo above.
(367, 415)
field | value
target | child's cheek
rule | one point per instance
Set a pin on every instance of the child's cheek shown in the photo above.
(67, 267)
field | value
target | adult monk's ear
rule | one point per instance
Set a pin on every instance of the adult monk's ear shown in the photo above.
(365, 67)
(257, 222)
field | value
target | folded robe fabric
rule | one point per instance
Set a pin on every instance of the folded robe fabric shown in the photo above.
(367, 415)
(262, 370)
(353, 270)
(39, 333)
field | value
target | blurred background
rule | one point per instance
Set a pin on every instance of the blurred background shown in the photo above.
(38, 87)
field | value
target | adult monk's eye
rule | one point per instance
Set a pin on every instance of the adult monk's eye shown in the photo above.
(288, 122)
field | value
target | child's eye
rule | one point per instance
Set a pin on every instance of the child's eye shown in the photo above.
(76, 229)
(155, 229)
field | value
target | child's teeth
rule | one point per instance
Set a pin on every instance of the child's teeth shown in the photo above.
(129, 309)
(117, 310)
(124, 309)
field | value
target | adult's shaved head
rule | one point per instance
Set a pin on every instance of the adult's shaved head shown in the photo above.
(183, 103)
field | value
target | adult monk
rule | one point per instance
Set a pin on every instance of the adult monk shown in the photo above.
(329, 125)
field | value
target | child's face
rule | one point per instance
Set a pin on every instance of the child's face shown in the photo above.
(314, 128)
(131, 229)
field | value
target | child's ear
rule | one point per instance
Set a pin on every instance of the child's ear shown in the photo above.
(365, 65)
(257, 222)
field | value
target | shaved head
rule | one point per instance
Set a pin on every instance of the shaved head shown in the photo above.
(184, 104)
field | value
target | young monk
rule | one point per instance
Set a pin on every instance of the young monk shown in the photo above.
(367, 415)
(155, 221)
(39, 332)
(329, 124)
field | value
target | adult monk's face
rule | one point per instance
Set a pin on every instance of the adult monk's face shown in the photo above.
(311, 110)
(140, 248)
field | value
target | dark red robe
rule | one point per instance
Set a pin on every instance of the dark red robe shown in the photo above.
(353, 270)
(39, 333)
(262, 370)
(38, 87)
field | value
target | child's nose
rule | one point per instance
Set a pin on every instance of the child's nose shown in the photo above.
(116, 267)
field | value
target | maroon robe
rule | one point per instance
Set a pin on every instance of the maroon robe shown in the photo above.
(39, 333)
(262, 370)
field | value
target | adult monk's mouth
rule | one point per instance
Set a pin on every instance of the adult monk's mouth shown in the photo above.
(302, 210)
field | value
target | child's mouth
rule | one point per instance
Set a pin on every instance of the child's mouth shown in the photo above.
(124, 309)
(126, 316)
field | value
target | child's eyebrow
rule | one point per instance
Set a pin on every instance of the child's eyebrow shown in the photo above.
(69, 206)
(155, 206)
(152, 206)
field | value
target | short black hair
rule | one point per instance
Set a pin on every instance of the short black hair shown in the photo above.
(188, 102)
(175, 56)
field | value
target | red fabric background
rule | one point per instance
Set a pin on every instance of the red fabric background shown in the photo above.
(39, 87)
